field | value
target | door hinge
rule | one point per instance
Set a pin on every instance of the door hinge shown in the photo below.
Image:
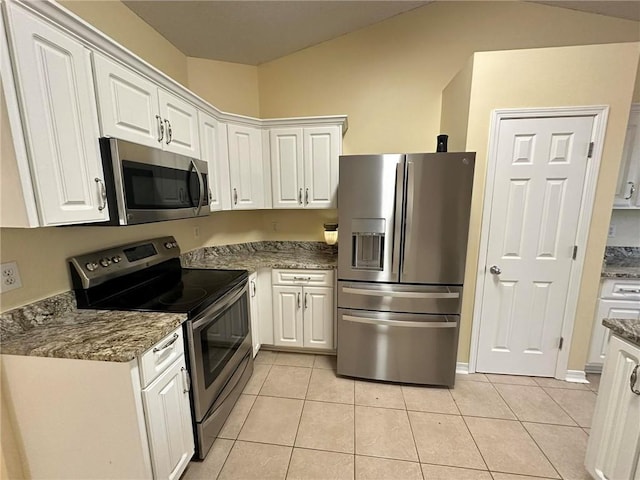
(561, 343)
(575, 252)
(590, 152)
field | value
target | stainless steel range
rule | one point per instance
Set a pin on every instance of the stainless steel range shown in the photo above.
(147, 276)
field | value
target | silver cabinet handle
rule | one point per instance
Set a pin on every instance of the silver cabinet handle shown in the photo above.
(399, 323)
(253, 288)
(306, 196)
(210, 196)
(389, 293)
(160, 128)
(631, 191)
(629, 290)
(103, 194)
(300, 196)
(186, 380)
(169, 131)
(305, 300)
(298, 300)
(632, 380)
(168, 344)
(301, 279)
(495, 270)
(235, 196)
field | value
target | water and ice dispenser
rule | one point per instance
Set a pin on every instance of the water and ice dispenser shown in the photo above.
(367, 243)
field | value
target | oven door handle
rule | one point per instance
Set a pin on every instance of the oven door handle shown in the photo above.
(201, 188)
(229, 299)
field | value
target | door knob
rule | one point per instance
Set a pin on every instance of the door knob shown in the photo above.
(495, 270)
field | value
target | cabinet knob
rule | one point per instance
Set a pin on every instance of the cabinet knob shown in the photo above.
(632, 190)
(633, 379)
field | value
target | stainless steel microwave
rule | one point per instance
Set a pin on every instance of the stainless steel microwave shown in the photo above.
(144, 184)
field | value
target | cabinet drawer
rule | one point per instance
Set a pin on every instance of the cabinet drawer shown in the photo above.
(303, 277)
(621, 289)
(155, 360)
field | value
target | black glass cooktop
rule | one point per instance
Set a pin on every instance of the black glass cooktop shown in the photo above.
(182, 290)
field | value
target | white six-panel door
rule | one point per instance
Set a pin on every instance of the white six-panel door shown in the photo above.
(213, 138)
(538, 185)
(56, 91)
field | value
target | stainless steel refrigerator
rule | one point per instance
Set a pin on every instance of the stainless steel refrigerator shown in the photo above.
(404, 222)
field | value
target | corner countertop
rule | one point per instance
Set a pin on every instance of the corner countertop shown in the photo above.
(629, 329)
(255, 255)
(55, 328)
(621, 262)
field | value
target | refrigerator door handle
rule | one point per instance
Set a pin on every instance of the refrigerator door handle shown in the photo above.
(409, 212)
(397, 218)
(388, 293)
(399, 323)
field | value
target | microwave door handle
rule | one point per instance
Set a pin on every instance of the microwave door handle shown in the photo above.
(201, 188)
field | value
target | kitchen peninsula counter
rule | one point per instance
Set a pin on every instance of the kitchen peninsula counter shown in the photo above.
(255, 255)
(629, 329)
(55, 328)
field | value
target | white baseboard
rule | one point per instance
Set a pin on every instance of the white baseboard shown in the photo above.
(576, 376)
(593, 368)
(462, 368)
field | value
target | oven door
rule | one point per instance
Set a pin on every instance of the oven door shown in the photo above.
(153, 185)
(219, 339)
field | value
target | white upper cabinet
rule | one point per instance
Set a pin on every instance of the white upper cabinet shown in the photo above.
(59, 120)
(214, 148)
(304, 166)
(245, 167)
(628, 188)
(135, 109)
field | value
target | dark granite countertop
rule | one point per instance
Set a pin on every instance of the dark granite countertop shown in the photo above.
(621, 262)
(629, 329)
(255, 255)
(54, 328)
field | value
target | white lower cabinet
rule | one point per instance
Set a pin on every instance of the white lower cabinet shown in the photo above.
(619, 298)
(99, 419)
(614, 441)
(254, 312)
(168, 415)
(303, 308)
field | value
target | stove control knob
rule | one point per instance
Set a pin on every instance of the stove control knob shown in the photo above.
(168, 245)
(91, 266)
(116, 259)
(105, 262)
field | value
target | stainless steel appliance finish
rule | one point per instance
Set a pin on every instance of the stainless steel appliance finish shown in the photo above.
(404, 222)
(147, 276)
(145, 184)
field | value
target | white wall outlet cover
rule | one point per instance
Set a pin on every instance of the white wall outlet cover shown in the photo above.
(612, 230)
(9, 276)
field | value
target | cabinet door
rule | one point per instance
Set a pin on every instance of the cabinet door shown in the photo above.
(128, 104)
(600, 335)
(60, 120)
(287, 316)
(628, 188)
(168, 417)
(180, 125)
(614, 440)
(318, 317)
(287, 177)
(245, 167)
(322, 147)
(213, 141)
(253, 312)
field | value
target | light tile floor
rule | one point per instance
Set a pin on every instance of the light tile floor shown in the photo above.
(297, 420)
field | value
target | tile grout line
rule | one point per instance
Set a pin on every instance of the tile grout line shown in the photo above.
(413, 436)
(295, 438)
(564, 409)
(476, 444)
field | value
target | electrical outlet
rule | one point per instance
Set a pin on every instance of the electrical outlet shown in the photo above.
(196, 232)
(612, 230)
(10, 277)
(274, 226)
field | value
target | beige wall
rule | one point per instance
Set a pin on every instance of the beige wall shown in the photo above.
(455, 105)
(231, 87)
(610, 70)
(120, 23)
(388, 78)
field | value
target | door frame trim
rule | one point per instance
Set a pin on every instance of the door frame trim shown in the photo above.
(600, 114)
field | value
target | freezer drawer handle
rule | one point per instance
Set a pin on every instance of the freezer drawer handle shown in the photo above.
(387, 293)
(399, 323)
